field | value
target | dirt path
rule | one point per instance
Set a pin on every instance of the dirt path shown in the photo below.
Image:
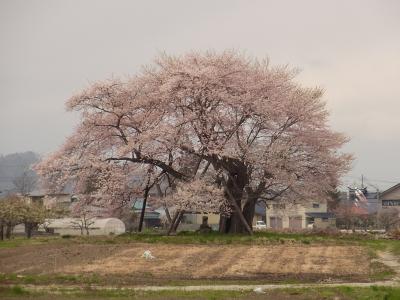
(391, 261)
(230, 287)
(391, 283)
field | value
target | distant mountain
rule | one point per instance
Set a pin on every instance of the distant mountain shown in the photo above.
(13, 166)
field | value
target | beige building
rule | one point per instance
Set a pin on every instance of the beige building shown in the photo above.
(299, 216)
(389, 202)
(192, 221)
(60, 200)
(390, 198)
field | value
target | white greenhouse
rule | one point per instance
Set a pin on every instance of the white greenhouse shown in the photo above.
(96, 226)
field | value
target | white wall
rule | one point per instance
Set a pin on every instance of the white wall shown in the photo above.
(292, 210)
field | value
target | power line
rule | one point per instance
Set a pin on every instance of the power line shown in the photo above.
(371, 179)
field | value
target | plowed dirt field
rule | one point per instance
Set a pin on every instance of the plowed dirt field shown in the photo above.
(189, 261)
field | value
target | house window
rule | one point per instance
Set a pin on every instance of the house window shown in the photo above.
(390, 202)
(315, 205)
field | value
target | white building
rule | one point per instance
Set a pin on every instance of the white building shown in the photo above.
(95, 226)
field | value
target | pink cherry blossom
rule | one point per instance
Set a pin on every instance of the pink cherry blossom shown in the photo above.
(215, 124)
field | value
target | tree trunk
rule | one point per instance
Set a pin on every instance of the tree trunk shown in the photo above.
(237, 180)
(175, 221)
(167, 214)
(224, 223)
(178, 221)
(249, 210)
(2, 232)
(161, 195)
(171, 226)
(145, 196)
(28, 230)
(8, 230)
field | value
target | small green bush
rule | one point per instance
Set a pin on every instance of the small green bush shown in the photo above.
(17, 290)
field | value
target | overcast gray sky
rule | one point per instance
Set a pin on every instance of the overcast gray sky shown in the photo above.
(51, 49)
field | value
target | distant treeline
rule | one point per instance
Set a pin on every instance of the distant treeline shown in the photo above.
(13, 166)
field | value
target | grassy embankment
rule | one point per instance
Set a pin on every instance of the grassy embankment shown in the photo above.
(373, 292)
(259, 238)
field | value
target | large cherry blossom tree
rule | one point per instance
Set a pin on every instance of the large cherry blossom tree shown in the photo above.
(235, 125)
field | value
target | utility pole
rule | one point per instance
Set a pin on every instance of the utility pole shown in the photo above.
(379, 208)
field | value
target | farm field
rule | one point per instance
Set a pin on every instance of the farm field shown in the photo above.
(192, 266)
(183, 262)
(191, 259)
